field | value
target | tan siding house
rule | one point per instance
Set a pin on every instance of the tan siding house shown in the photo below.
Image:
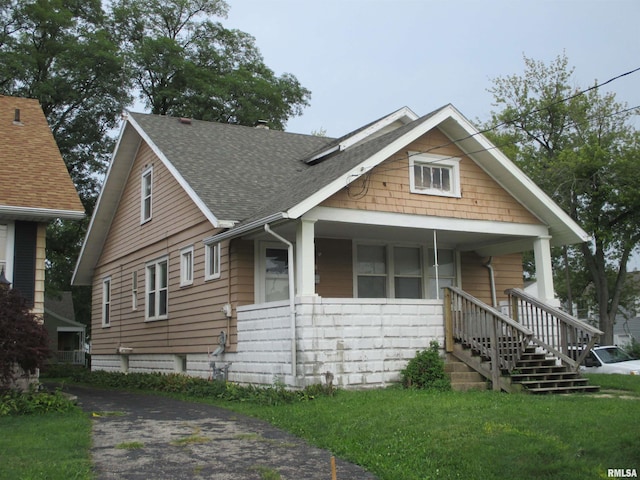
(219, 249)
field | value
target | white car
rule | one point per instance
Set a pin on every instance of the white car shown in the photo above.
(610, 359)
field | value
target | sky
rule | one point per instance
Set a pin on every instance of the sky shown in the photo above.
(363, 59)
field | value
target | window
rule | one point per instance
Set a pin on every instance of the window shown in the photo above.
(372, 271)
(186, 266)
(434, 175)
(276, 274)
(157, 289)
(444, 275)
(212, 261)
(106, 302)
(145, 195)
(398, 271)
(134, 291)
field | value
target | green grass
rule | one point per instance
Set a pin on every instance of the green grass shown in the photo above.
(409, 434)
(52, 446)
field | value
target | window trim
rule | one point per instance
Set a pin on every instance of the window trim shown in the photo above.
(144, 215)
(186, 266)
(106, 302)
(156, 290)
(452, 163)
(208, 274)
(134, 291)
(260, 265)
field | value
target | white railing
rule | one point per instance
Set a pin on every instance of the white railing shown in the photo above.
(75, 357)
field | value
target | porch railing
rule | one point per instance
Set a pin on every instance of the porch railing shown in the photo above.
(558, 332)
(486, 330)
(75, 357)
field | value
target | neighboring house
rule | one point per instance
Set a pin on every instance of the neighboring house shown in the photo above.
(35, 188)
(67, 337)
(302, 254)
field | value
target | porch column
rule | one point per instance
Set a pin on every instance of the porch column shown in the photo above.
(306, 258)
(544, 272)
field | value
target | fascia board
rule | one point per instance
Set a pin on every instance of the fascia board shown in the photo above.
(40, 214)
(366, 165)
(176, 174)
(512, 179)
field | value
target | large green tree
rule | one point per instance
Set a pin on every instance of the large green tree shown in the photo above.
(581, 148)
(184, 63)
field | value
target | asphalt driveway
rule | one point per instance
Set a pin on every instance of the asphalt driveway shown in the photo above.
(143, 437)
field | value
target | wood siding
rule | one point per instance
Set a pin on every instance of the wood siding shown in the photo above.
(334, 266)
(195, 316)
(475, 275)
(387, 189)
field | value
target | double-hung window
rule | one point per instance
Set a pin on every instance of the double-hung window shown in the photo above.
(186, 266)
(106, 302)
(157, 285)
(434, 175)
(146, 191)
(212, 261)
(134, 290)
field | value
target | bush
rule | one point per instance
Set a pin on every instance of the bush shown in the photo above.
(195, 387)
(633, 348)
(24, 342)
(13, 402)
(426, 370)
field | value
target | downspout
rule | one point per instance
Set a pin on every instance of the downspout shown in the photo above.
(292, 299)
(492, 281)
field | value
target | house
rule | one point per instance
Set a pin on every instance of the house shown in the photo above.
(35, 189)
(67, 338)
(265, 255)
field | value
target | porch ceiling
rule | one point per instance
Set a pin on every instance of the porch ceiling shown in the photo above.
(485, 244)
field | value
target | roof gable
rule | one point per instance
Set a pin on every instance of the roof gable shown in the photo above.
(35, 183)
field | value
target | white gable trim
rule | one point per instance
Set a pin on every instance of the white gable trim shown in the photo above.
(179, 178)
(366, 165)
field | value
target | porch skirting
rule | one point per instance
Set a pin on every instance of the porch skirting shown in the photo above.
(364, 343)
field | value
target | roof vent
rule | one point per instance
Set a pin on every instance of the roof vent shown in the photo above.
(185, 121)
(262, 124)
(16, 117)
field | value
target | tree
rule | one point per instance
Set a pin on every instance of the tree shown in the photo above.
(582, 150)
(185, 64)
(23, 339)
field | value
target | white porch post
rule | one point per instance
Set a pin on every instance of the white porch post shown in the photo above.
(306, 258)
(544, 272)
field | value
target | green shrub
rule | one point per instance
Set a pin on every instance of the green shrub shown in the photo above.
(13, 402)
(633, 348)
(426, 370)
(177, 383)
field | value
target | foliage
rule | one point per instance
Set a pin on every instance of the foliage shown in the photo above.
(633, 348)
(426, 370)
(193, 387)
(582, 150)
(33, 402)
(23, 339)
(183, 63)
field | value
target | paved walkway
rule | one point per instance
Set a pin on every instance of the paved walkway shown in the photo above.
(148, 437)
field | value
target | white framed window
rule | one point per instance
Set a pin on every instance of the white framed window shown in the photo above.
(272, 281)
(212, 261)
(157, 289)
(401, 271)
(106, 302)
(146, 190)
(186, 266)
(434, 174)
(134, 290)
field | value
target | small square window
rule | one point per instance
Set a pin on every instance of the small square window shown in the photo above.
(434, 175)
(186, 266)
(212, 261)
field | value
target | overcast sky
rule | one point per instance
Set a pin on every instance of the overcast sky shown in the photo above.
(362, 59)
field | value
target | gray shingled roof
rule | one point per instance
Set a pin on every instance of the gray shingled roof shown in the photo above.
(244, 173)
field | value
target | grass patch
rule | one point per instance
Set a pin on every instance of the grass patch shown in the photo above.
(54, 446)
(267, 473)
(190, 440)
(417, 435)
(130, 445)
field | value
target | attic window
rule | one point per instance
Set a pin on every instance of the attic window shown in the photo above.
(434, 175)
(16, 117)
(146, 185)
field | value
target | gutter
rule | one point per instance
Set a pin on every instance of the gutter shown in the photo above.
(492, 280)
(41, 213)
(292, 300)
(236, 232)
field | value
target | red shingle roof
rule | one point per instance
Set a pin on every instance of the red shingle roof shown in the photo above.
(32, 172)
